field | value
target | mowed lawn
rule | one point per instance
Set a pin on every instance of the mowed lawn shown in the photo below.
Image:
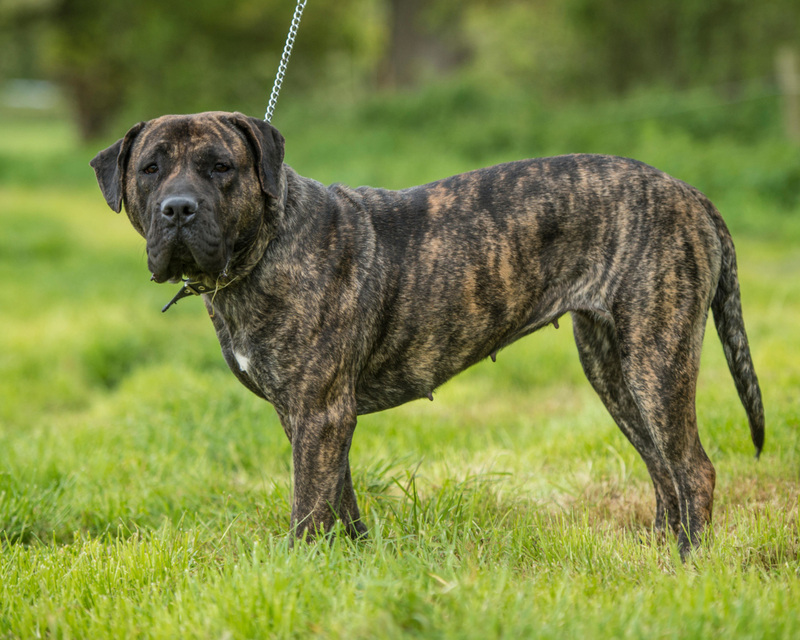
(145, 493)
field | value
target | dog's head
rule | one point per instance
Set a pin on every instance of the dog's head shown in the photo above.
(196, 187)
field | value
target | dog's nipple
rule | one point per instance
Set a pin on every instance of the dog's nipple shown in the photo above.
(152, 277)
(555, 323)
(493, 356)
(430, 396)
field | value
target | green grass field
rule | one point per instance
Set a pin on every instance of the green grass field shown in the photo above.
(145, 493)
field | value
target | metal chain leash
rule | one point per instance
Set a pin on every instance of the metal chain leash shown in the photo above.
(287, 51)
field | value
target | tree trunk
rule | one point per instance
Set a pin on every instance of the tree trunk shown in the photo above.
(415, 46)
(97, 96)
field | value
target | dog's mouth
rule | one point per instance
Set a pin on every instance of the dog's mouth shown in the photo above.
(174, 257)
(180, 264)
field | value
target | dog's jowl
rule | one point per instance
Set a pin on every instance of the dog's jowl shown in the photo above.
(331, 302)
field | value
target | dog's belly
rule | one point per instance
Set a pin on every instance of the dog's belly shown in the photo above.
(409, 376)
(426, 352)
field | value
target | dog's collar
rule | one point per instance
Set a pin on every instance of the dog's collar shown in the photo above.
(189, 288)
(195, 288)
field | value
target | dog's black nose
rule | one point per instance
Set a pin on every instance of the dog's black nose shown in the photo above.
(179, 209)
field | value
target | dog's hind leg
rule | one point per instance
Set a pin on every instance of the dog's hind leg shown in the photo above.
(599, 354)
(660, 357)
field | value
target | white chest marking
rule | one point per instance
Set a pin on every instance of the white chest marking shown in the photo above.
(243, 360)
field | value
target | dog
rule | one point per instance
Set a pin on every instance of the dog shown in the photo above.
(332, 302)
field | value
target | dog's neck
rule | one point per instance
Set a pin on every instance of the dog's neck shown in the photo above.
(243, 262)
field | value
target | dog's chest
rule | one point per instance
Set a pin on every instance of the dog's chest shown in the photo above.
(246, 358)
(245, 355)
(242, 360)
(240, 351)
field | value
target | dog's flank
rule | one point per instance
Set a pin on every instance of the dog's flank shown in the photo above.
(340, 301)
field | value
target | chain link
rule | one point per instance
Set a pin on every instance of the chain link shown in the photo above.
(287, 51)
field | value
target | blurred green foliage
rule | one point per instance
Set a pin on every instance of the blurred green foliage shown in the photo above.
(683, 42)
(131, 61)
(150, 57)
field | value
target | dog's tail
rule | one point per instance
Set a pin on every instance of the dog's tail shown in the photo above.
(727, 308)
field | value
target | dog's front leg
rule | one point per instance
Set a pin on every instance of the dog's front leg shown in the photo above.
(323, 489)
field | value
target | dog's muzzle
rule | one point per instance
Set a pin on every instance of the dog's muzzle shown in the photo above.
(184, 239)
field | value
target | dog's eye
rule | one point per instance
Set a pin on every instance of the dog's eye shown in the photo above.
(150, 169)
(221, 168)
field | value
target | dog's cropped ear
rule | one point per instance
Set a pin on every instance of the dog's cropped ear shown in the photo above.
(267, 144)
(109, 167)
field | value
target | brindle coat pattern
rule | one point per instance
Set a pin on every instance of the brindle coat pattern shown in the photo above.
(339, 302)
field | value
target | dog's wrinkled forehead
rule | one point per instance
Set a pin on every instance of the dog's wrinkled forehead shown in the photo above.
(204, 136)
(234, 138)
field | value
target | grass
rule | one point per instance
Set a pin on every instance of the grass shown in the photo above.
(145, 493)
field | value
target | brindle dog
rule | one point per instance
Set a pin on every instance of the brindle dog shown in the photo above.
(331, 302)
